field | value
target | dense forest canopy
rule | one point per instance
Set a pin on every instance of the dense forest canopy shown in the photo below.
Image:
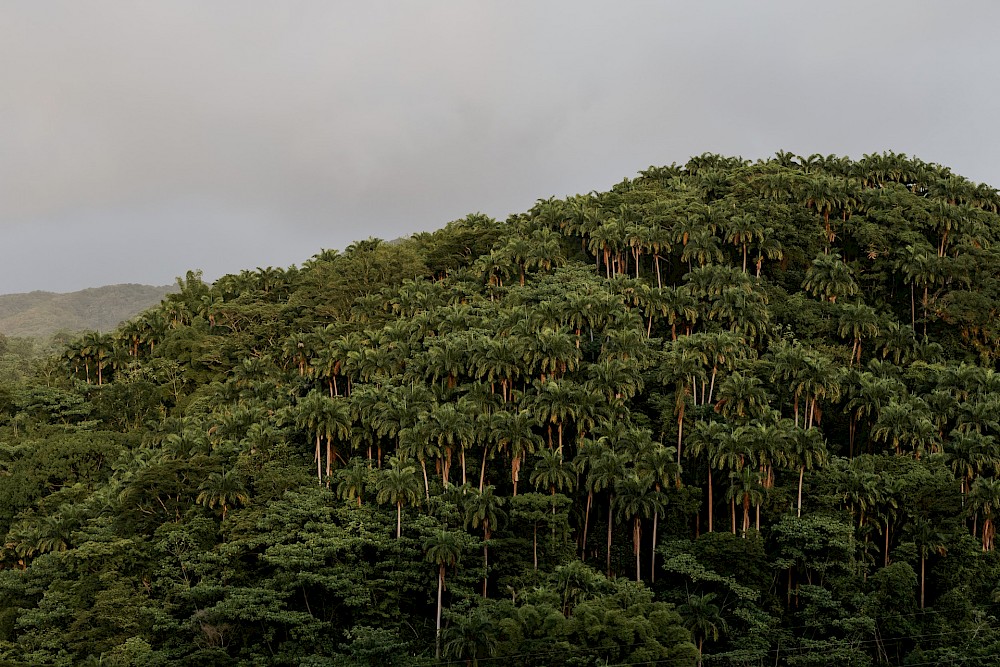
(724, 413)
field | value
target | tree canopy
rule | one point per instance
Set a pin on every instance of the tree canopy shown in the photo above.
(723, 413)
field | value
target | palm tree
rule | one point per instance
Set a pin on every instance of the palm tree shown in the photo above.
(658, 463)
(683, 369)
(741, 230)
(742, 397)
(637, 499)
(223, 490)
(858, 322)
(823, 194)
(746, 487)
(829, 278)
(515, 433)
(929, 540)
(327, 418)
(555, 404)
(806, 450)
(604, 473)
(449, 427)
(471, 637)
(588, 454)
(443, 549)
(484, 508)
(415, 442)
(984, 498)
(552, 473)
(678, 306)
(398, 485)
(703, 619)
(921, 267)
(703, 442)
(767, 247)
(734, 452)
(351, 480)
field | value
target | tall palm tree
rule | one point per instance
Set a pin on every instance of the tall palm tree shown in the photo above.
(484, 508)
(471, 637)
(703, 619)
(741, 397)
(741, 230)
(398, 485)
(222, 490)
(637, 498)
(829, 278)
(658, 463)
(415, 442)
(703, 442)
(450, 428)
(746, 487)
(859, 322)
(806, 450)
(921, 267)
(352, 479)
(552, 473)
(984, 499)
(929, 540)
(515, 433)
(604, 473)
(444, 550)
(555, 404)
(329, 419)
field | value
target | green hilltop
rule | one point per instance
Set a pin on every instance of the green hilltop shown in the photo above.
(723, 413)
(42, 314)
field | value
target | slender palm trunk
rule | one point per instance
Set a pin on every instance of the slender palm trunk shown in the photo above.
(319, 461)
(329, 460)
(652, 559)
(515, 468)
(710, 510)
(399, 520)
(437, 634)
(611, 498)
(885, 554)
(427, 486)
(534, 547)
(486, 566)
(680, 432)
(802, 474)
(923, 562)
(586, 523)
(636, 537)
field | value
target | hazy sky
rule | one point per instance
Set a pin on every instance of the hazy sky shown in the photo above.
(142, 139)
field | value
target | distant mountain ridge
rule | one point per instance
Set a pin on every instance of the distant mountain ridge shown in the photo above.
(41, 314)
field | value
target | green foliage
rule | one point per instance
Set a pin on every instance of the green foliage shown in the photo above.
(765, 391)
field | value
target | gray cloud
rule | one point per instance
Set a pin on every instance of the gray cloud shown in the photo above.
(143, 139)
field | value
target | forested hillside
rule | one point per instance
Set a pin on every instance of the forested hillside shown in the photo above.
(727, 413)
(42, 314)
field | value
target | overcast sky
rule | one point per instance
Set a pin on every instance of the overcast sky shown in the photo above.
(142, 139)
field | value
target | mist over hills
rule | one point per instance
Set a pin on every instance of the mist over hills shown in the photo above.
(42, 314)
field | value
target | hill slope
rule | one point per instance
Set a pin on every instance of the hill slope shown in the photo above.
(726, 413)
(98, 308)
